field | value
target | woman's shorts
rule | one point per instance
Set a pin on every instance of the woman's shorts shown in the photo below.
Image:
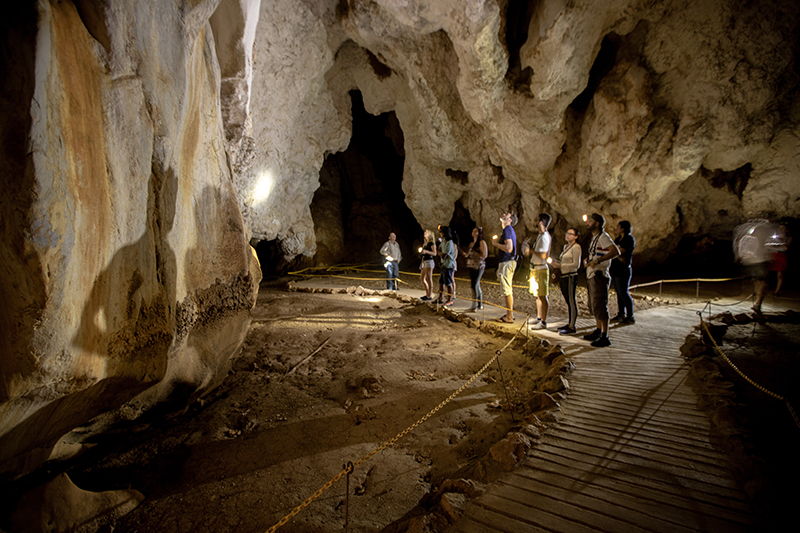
(427, 264)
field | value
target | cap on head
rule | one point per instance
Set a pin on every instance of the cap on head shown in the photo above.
(599, 219)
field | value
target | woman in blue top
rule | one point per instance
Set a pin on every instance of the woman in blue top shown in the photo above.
(447, 251)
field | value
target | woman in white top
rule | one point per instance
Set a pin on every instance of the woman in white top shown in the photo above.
(428, 253)
(568, 262)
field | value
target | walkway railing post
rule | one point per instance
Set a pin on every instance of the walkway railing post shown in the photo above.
(660, 284)
(697, 292)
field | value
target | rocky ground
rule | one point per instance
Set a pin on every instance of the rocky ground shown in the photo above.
(324, 379)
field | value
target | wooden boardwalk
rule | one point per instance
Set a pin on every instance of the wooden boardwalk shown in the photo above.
(630, 452)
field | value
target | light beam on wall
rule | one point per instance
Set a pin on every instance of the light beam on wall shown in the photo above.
(263, 187)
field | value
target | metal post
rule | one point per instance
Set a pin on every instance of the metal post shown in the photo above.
(349, 467)
(503, 379)
(697, 292)
(660, 284)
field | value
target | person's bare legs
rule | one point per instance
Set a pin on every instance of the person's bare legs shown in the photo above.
(542, 306)
(761, 290)
(510, 307)
(779, 275)
(602, 325)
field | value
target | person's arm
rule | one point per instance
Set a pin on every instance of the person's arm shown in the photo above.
(385, 249)
(484, 250)
(507, 245)
(612, 253)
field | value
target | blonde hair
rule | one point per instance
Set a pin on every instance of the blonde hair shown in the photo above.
(429, 237)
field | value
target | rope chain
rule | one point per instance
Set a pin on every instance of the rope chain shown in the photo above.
(747, 379)
(351, 466)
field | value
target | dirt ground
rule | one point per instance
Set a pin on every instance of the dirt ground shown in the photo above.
(323, 380)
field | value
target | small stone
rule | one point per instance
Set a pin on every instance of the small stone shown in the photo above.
(452, 505)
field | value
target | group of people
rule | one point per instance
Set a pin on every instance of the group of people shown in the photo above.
(607, 262)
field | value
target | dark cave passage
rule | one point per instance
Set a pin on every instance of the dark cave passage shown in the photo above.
(360, 199)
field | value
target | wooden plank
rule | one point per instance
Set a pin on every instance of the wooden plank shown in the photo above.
(647, 499)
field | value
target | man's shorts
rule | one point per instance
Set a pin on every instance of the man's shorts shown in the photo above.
(757, 271)
(540, 282)
(446, 276)
(598, 296)
(505, 273)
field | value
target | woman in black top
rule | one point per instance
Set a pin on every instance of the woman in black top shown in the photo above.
(476, 262)
(621, 273)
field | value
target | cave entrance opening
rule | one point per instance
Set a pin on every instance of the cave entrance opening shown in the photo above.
(360, 199)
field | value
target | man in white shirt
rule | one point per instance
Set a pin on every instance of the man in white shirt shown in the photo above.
(601, 251)
(391, 254)
(540, 273)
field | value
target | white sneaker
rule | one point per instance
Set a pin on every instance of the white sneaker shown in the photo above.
(539, 325)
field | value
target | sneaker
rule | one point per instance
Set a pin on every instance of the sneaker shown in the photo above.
(566, 330)
(426, 298)
(629, 320)
(540, 325)
(593, 336)
(479, 308)
(602, 342)
(448, 303)
(618, 318)
(535, 320)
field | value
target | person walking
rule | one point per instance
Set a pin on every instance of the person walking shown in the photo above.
(447, 251)
(476, 255)
(569, 262)
(392, 256)
(507, 264)
(601, 251)
(428, 253)
(540, 272)
(621, 271)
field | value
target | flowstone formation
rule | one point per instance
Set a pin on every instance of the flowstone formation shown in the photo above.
(127, 276)
(679, 116)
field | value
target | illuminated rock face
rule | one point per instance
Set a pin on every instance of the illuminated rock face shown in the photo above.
(127, 276)
(678, 116)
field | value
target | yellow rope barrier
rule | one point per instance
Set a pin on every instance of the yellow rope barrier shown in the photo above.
(391, 441)
(747, 379)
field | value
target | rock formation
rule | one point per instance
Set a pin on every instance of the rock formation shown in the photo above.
(127, 275)
(677, 116)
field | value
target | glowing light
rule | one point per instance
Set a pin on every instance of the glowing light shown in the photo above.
(389, 258)
(585, 217)
(371, 299)
(420, 249)
(549, 260)
(263, 187)
(494, 237)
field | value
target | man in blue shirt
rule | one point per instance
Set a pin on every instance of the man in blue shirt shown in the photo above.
(507, 264)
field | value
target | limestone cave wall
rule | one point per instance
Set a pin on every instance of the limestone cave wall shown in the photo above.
(127, 276)
(679, 116)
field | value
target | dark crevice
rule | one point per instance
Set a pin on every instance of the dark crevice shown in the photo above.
(518, 20)
(603, 63)
(458, 176)
(380, 70)
(735, 181)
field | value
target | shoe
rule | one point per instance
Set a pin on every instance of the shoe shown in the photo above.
(593, 336)
(566, 330)
(479, 308)
(426, 299)
(539, 325)
(448, 303)
(535, 320)
(617, 318)
(505, 320)
(602, 342)
(629, 320)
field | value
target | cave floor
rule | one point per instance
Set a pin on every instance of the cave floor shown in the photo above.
(283, 424)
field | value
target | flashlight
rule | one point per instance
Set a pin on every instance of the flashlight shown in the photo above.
(585, 217)
(549, 260)
(420, 249)
(494, 237)
(389, 258)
